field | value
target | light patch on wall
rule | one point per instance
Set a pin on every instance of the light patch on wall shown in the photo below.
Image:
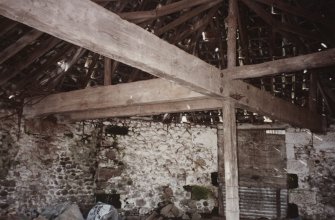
(282, 132)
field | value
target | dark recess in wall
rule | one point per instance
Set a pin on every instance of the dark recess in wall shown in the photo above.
(112, 199)
(292, 211)
(292, 181)
(214, 178)
(116, 130)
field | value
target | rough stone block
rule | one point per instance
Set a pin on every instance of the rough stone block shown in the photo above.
(302, 137)
(302, 196)
(297, 166)
(105, 173)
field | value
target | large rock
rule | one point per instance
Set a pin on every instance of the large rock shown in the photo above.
(102, 211)
(63, 211)
(170, 211)
(72, 212)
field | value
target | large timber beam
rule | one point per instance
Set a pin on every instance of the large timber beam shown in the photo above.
(308, 61)
(229, 126)
(198, 104)
(160, 96)
(140, 93)
(89, 25)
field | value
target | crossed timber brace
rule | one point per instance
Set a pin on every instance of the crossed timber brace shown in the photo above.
(88, 25)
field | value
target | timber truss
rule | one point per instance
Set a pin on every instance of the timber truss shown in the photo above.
(144, 39)
(172, 40)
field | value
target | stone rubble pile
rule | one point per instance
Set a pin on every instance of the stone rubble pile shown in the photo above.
(170, 211)
(71, 211)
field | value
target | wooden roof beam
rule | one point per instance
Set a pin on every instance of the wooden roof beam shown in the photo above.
(186, 16)
(286, 65)
(120, 95)
(88, 25)
(6, 26)
(277, 25)
(158, 96)
(297, 11)
(162, 11)
(25, 40)
(39, 51)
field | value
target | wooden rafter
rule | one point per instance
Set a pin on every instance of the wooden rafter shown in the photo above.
(32, 77)
(7, 25)
(39, 51)
(297, 11)
(186, 17)
(19, 44)
(309, 61)
(200, 24)
(277, 25)
(162, 11)
(109, 35)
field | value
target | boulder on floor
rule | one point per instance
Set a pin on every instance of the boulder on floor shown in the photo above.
(62, 211)
(102, 211)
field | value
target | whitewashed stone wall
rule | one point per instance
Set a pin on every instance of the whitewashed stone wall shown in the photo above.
(155, 156)
(47, 165)
(312, 158)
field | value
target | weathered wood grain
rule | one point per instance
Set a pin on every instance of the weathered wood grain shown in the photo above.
(88, 25)
(120, 95)
(308, 61)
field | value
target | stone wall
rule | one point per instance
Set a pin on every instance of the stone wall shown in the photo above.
(312, 159)
(155, 162)
(48, 164)
(137, 165)
(139, 161)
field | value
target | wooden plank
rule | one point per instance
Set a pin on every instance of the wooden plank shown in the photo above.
(86, 100)
(25, 40)
(221, 171)
(107, 71)
(198, 26)
(298, 11)
(39, 51)
(230, 161)
(120, 95)
(312, 97)
(186, 17)
(309, 61)
(99, 30)
(256, 100)
(198, 104)
(31, 77)
(162, 11)
(104, 32)
(229, 124)
(268, 18)
(7, 25)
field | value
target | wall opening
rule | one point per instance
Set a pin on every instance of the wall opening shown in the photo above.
(214, 179)
(292, 181)
(292, 211)
(116, 130)
(111, 199)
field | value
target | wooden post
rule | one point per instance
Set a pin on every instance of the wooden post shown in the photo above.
(229, 125)
(312, 102)
(221, 171)
(230, 161)
(107, 72)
